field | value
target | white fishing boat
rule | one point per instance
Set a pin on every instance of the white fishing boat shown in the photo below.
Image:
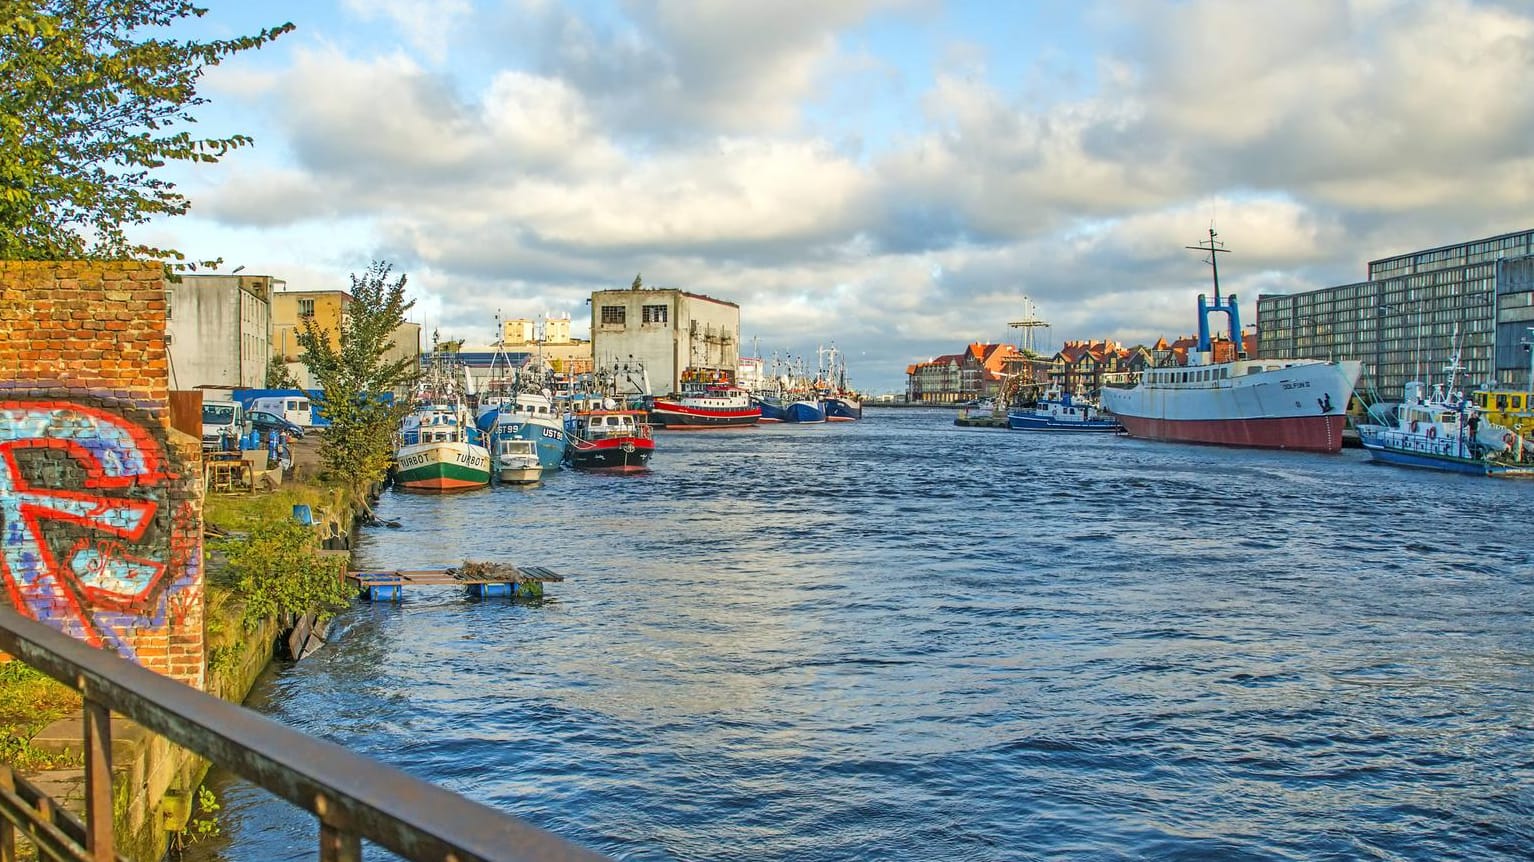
(1443, 430)
(516, 461)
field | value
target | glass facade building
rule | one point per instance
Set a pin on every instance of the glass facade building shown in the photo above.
(1411, 315)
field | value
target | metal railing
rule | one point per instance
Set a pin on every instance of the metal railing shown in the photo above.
(352, 796)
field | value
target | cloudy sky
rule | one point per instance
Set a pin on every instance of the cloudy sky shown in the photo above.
(896, 177)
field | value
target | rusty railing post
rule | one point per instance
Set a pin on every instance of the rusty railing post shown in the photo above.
(98, 781)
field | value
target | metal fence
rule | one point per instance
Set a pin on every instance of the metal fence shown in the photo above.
(353, 797)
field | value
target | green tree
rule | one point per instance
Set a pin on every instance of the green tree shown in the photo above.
(355, 378)
(278, 376)
(90, 107)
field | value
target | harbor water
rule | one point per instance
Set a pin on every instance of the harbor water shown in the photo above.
(899, 639)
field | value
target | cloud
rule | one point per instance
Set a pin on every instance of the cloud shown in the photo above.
(427, 25)
(691, 141)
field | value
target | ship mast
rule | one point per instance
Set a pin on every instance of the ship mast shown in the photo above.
(1228, 307)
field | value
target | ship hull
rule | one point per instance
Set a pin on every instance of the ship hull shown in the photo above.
(1306, 434)
(442, 467)
(673, 416)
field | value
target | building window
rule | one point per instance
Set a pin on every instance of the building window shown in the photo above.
(615, 314)
(170, 302)
(306, 308)
(654, 314)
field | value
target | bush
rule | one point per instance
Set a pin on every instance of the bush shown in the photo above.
(279, 571)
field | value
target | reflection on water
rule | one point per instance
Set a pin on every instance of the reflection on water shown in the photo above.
(901, 639)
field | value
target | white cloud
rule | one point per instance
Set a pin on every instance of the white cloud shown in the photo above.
(670, 138)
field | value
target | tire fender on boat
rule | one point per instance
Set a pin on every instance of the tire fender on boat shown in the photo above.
(1507, 439)
(1432, 432)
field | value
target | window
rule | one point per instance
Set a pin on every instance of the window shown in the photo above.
(654, 314)
(170, 302)
(615, 314)
(306, 308)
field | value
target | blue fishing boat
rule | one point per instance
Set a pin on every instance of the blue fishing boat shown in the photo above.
(1060, 411)
(772, 407)
(525, 416)
(805, 410)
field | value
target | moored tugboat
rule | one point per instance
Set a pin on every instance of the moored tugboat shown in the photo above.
(714, 403)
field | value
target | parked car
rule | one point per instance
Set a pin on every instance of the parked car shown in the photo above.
(264, 422)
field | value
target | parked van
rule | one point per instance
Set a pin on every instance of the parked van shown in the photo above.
(294, 408)
(223, 424)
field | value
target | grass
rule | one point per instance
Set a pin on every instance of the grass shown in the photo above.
(29, 701)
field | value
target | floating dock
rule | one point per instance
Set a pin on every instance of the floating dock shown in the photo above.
(482, 580)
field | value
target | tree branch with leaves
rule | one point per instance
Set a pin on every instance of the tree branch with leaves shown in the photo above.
(90, 107)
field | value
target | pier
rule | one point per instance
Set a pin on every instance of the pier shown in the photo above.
(482, 580)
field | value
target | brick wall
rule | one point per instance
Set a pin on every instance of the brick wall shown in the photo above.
(100, 500)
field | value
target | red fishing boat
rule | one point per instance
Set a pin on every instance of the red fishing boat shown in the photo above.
(608, 441)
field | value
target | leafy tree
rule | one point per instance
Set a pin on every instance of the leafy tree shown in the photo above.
(278, 376)
(89, 108)
(355, 378)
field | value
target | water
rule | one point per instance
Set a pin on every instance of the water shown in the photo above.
(900, 639)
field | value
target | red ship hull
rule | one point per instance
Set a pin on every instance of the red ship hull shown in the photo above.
(1302, 433)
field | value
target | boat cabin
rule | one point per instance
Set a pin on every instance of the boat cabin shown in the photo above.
(602, 425)
(1507, 407)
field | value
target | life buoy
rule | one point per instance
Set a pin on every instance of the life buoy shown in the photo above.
(1432, 431)
(1507, 439)
(1414, 426)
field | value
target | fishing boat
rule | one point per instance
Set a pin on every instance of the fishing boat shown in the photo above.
(705, 405)
(529, 416)
(516, 461)
(1443, 430)
(608, 441)
(838, 400)
(1062, 411)
(439, 451)
(805, 409)
(1513, 408)
(772, 407)
(1259, 403)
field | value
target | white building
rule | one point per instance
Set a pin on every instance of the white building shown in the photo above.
(218, 330)
(668, 331)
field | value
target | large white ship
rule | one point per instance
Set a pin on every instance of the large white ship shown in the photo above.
(1261, 403)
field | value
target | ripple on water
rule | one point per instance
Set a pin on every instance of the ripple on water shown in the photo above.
(899, 639)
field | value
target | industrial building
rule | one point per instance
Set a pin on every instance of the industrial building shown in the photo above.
(667, 332)
(218, 330)
(1413, 313)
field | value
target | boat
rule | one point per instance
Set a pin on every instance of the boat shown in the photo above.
(517, 462)
(838, 401)
(805, 409)
(1512, 408)
(705, 405)
(1259, 403)
(1061, 411)
(523, 415)
(439, 451)
(1443, 430)
(772, 407)
(608, 441)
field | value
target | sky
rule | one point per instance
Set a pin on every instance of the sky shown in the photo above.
(897, 178)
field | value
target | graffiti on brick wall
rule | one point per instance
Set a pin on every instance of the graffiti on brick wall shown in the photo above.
(94, 541)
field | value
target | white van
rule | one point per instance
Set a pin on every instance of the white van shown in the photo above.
(223, 423)
(294, 408)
